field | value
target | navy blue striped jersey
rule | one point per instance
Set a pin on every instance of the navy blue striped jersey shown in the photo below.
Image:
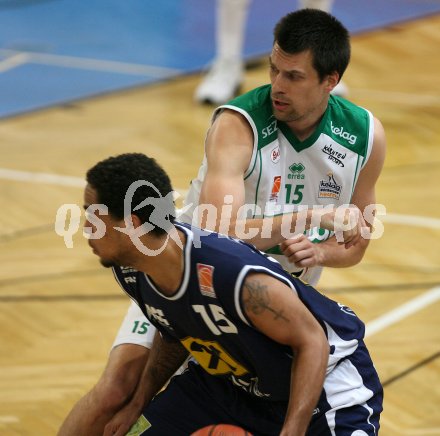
(207, 316)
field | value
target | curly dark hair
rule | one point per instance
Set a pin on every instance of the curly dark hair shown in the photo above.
(321, 33)
(112, 178)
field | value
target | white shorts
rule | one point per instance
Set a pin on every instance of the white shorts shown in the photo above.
(135, 329)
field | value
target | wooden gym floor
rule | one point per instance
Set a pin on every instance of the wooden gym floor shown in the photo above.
(59, 310)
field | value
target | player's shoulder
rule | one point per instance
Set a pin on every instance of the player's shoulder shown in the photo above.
(256, 107)
(344, 108)
(350, 125)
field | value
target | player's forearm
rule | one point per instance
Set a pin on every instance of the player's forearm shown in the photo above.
(164, 360)
(335, 255)
(267, 232)
(308, 373)
(84, 418)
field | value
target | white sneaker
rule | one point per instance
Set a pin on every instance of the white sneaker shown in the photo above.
(341, 90)
(221, 83)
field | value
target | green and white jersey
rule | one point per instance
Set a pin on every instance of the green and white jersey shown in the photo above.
(286, 174)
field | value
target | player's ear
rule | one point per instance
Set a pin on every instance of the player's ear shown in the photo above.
(331, 80)
(136, 221)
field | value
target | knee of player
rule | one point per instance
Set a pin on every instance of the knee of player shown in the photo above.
(110, 394)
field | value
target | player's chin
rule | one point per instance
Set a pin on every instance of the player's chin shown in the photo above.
(106, 263)
(279, 115)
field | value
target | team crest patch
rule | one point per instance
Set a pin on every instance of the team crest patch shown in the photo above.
(329, 188)
(275, 154)
(204, 274)
(275, 189)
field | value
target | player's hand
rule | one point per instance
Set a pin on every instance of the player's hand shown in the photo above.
(121, 423)
(301, 251)
(348, 224)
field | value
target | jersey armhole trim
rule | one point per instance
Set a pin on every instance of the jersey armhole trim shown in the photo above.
(370, 139)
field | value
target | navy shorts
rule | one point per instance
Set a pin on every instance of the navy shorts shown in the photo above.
(195, 399)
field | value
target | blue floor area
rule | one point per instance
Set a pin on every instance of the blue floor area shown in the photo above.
(56, 51)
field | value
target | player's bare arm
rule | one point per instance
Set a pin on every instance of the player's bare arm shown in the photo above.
(165, 359)
(274, 309)
(304, 253)
(228, 151)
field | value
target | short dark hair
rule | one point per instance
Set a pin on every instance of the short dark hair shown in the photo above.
(317, 31)
(112, 177)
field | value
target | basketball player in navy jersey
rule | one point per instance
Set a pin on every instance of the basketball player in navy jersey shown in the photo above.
(271, 354)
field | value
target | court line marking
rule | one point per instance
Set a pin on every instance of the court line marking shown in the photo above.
(9, 419)
(89, 64)
(13, 61)
(409, 370)
(411, 220)
(392, 317)
(51, 179)
(35, 177)
(57, 179)
(372, 327)
(401, 312)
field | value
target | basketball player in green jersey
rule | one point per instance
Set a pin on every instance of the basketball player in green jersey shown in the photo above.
(279, 147)
(291, 144)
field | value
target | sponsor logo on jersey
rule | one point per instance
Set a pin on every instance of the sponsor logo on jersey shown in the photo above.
(129, 274)
(317, 235)
(334, 156)
(275, 154)
(329, 188)
(339, 131)
(296, 170)
(213, 357)
(218, 362)
(204, 274)
(276, 187)
(270, 129)
(158, 316)
(346, 309)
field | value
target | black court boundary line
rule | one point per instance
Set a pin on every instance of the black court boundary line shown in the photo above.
(76, 297)
(411, 369)
(107, 297)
